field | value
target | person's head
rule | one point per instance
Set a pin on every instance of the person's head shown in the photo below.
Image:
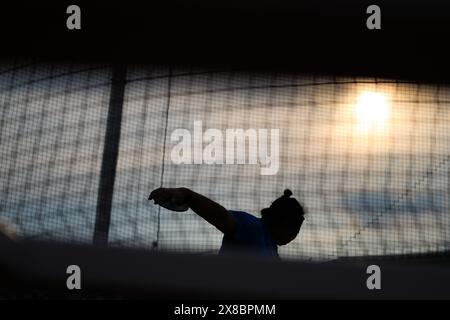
(283, 218)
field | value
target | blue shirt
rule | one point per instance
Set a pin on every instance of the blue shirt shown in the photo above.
(250, 235)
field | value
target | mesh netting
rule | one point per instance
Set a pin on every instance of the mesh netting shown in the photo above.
(368, 158)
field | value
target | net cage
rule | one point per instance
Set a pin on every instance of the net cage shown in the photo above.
(368, 158)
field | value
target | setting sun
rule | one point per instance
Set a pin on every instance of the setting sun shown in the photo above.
(372, 112)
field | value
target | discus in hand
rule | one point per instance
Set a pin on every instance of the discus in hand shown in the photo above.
(165, 198)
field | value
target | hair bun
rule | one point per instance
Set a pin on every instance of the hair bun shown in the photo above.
(287, 193)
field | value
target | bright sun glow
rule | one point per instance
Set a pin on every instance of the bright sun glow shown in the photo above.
(372, 112)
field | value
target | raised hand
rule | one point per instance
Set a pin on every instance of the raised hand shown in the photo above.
(170, 198)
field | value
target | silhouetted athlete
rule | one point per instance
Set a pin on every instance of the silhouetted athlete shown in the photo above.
(279, 224)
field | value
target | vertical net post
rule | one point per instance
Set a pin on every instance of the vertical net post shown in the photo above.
(110, 155)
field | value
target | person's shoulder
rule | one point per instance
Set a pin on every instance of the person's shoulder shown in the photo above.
(242, 214)
(245, 217)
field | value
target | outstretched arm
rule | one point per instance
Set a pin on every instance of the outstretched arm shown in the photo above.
(206, 208)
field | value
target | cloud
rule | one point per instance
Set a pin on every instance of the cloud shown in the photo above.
(370, 203)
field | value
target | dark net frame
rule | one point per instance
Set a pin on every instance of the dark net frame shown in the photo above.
(380, 191)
